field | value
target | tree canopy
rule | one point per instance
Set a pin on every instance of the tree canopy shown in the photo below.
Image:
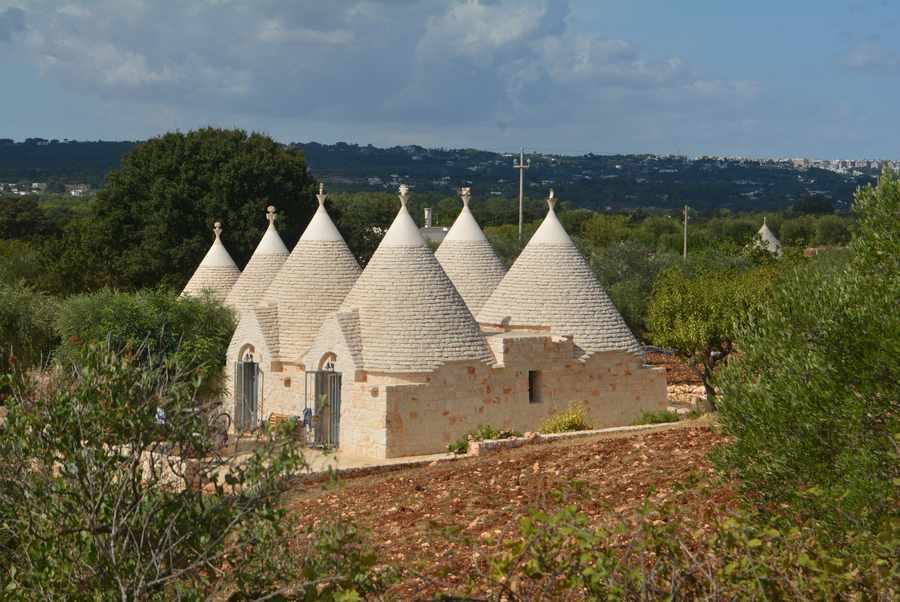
(152, 221)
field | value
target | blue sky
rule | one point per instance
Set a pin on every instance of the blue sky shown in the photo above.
(765, 78)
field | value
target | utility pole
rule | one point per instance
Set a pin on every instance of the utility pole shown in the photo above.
(521, 166)
(685, 231)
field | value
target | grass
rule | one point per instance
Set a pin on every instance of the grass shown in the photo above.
(660, 417)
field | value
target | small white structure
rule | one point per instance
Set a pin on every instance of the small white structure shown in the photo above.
(264, 264)
(767, 240)
(216, 274)
(469, 259)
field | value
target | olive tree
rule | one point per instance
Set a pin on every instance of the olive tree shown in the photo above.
(697, 314)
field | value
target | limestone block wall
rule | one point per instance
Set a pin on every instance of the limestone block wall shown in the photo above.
(423, 418)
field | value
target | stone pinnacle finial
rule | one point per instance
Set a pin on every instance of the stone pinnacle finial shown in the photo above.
(465, 194)
(551, 200)
(764, 220)
(217, 228)
(270, 214)
(321, 196)
(404, 195)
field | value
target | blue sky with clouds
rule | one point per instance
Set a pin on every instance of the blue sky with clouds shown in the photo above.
(765, 78)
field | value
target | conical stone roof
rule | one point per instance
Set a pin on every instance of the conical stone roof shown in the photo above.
(410, 316)
(267, 259)
(216, 274)
(551, 285)
(311, 284)
(770, 242)
(469, 260)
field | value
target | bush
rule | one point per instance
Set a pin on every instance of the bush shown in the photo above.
(811, 401)
(26, 327)
(334, 563)
(484, 432)
(572, 419)
(660, 417)
(195, 332)
(743, 555)
(97, 503)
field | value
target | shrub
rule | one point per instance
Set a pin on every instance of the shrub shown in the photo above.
(95, 502)
(26, 327)
(333, 563)
(196, 332)
(659, 417)
(572, 419)
(743, 555)
(483, 433)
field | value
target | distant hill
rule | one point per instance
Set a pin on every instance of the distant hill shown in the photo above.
(593, 181)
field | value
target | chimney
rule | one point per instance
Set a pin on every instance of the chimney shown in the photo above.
(427, 217)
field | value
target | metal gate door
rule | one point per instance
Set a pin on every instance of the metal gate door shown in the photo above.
(328, 408)
(246, 395)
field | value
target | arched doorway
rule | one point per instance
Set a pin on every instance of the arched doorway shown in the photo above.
(246, 390)
(323, 387)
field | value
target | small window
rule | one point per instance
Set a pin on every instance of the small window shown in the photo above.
(534, 386)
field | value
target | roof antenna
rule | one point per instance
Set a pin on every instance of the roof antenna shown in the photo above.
(404, 195)
(321, 196)
(465, 194)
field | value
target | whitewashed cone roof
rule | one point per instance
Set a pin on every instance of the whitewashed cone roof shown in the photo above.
(408, 316)
(216, 274)
(552, 285)
(267, 259)
(310, 285)
(770, 242)
(469, 260)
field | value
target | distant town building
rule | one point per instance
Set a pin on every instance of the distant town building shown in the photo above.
(431, 233)
(77, 189)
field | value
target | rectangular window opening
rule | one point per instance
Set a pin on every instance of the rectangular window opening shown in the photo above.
(534, 386)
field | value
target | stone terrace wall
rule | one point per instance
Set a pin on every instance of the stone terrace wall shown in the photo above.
(424, 418)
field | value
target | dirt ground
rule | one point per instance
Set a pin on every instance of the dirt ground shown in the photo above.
(677, 371)
(441, 522)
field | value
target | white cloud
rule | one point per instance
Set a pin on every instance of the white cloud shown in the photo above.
(456, 68)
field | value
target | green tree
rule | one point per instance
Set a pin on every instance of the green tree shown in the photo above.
(798, 232)
(23, 218)
(697, 314)
(832, 230)
(151, 222)
(811, 403)
(815, 204)
(602, 230)
(627, 270)
(363, 219)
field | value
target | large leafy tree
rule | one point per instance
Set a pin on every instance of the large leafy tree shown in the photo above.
(152, 221)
